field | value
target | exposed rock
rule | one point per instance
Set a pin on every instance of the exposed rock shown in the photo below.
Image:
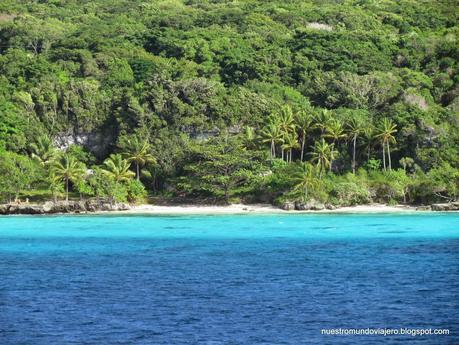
(62, 207)
(452, 206)
(311, 205)
(300, 206)
(317, 206)
(319, 26)
(288, 206)
(416, 100)
(330, 207)
(25, 209)
(423, 208)
(4, 209)
(96, 143)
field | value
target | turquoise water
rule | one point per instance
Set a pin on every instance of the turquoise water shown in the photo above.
(268, 279)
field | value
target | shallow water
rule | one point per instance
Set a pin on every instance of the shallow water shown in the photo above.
(254, 279)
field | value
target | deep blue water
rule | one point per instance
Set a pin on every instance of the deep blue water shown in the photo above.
(269, 279)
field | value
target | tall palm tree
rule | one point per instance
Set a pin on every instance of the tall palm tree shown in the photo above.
(290, 143)
(286, 119)
(272, 134)
(43, 151)
(385, 133)
(321, 120)
(322, 154)
(334, 131)
(369, 136)
(68, 169)
(286, 124)
(306, 179)
(355, 127)
(117, 167)
(303, 123)
(138, 152)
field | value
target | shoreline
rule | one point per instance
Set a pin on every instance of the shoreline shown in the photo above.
(255, 209)
(81, 208)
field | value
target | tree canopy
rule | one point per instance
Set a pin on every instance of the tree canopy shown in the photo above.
(150, 86)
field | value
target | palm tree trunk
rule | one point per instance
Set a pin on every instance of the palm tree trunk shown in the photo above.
(138, 171)
(273, 149)
(332, 155)
(282, 153)
(302, 145)
(353, 155)
(388, 155)
(67, 189)
(290, 156)
(384, 156)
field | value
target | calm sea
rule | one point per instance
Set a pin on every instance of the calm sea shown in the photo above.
(254, 279)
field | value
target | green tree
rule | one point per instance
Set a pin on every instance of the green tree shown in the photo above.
(137, 151)
(44, 151)
(272, 134)
(17, 174)
(355, 128)
(67, 170)
(117, 168)
(322, 155)
(290, 143)
(220, 167)
(306, 179)
(335, 132)
(321, 120)
(385, 133)
(303, 123)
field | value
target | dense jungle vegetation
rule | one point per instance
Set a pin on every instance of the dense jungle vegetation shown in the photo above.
(341, 101)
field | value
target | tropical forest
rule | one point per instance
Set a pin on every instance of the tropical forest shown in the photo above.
(341, 102)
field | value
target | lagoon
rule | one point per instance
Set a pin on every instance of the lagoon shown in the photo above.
(227, 279)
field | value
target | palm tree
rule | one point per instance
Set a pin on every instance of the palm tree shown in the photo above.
(303, 123)
(290, 143)
(272, 134)
(249, 137)
(43, 151)
(306, 179)
(334, 130)
(68, 169)
(117, 168)
(321, 120)
(385, 134)
(355, 128)
(286, 120)
(369, 136)
(322, 154)
(286, 124)
(137, 151)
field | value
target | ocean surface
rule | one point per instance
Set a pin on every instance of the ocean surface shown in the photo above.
(249, 279)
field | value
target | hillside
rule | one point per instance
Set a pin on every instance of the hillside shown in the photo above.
(343, 102)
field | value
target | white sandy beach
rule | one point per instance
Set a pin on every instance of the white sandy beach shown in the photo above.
(257, 209)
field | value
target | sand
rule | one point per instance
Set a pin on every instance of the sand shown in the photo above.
(257, 209)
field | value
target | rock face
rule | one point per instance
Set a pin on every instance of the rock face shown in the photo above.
(62, 207)
(288, 206)
(311, 205)
(423, 208)
(452, 206)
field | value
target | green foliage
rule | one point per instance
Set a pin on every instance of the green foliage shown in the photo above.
(220, 168)
(18, 174)
(349, 190)
(201, 92)
(136, 191)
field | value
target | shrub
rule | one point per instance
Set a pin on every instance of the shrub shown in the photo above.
(135, 191)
